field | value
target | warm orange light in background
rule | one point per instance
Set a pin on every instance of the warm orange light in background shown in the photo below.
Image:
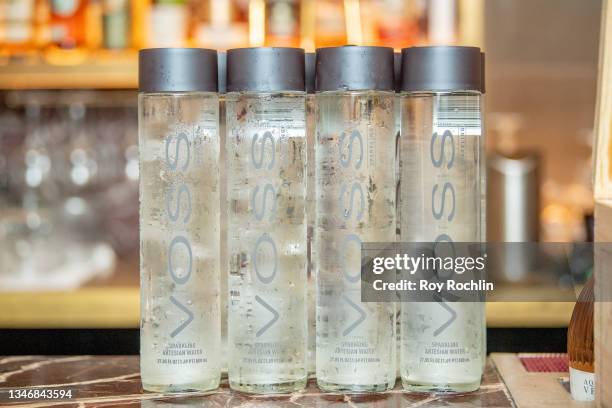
(352, 16)
(36, 25)
(257, 23)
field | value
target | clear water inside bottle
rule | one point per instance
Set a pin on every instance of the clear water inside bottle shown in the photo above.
(179, 241)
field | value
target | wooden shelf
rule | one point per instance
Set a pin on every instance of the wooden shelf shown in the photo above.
(74, 69)
(529, 314)
(104, 302)
(119, 307)
(114, 302)
(111, 307)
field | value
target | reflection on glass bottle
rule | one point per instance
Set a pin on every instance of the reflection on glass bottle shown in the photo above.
(443, 342)
(267, 238)
(355, 203)
(580, 346)
(179, 220)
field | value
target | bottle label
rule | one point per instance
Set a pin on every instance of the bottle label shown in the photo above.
(179, 241)
(355, 193)
(582, 385)
(266, 239)
(443, 341)
(65, 8)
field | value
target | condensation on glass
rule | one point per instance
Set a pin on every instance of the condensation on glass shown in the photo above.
(267, 237)
(355, 203)
(441, 173)
(179, 220)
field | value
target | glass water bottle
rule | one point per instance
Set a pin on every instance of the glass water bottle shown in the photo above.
(355, 203)
(441, 173)
(267, 244)
(179, 220)
(580, 346)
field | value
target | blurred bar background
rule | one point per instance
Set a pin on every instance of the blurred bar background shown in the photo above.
(69, 156)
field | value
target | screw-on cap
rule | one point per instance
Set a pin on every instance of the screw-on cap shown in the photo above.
(354, 68)
(177, 70)
(482, 72)
(397, 70)
(309, 69)
(221, 70)
(442, 68)
(265, 69)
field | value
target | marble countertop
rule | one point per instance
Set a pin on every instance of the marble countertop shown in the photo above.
(114, 381)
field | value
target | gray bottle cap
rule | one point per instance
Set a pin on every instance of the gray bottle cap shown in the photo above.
(221, 70)
(309, 69)
(354, 68)
(265, 69)
(442, 69)
(397, 70)
(482, 72)
(177, 70)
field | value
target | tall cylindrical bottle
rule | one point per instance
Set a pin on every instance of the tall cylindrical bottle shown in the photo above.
(440, 201)
(355, 203)
(580, 346)
(267, 244)
(179, 220)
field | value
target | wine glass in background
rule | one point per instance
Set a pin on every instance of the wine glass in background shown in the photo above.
(118, 201)
(31, 241)
(69, 188)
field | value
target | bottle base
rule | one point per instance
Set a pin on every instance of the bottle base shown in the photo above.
(285, 387)
(353, 388)
(210, 385)
(440, 388)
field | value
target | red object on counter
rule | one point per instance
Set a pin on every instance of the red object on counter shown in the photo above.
(545, 363)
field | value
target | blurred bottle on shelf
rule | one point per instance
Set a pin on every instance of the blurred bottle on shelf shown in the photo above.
(93, 24)
(330, 28)
(217, 24)
(68, 23)
(86, 25)
(514, 183)
(580, 346)
(513, 200)
(442, 21)
(42, 24)
(17, 28)
(282, 23)
(393, 23)
(138, 19)
(115, 24)
(168, 23)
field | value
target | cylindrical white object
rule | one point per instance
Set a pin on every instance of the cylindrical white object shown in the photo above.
(267, 237)
(355, 203)
(443, 342)
(442, 21)
(179, 220)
